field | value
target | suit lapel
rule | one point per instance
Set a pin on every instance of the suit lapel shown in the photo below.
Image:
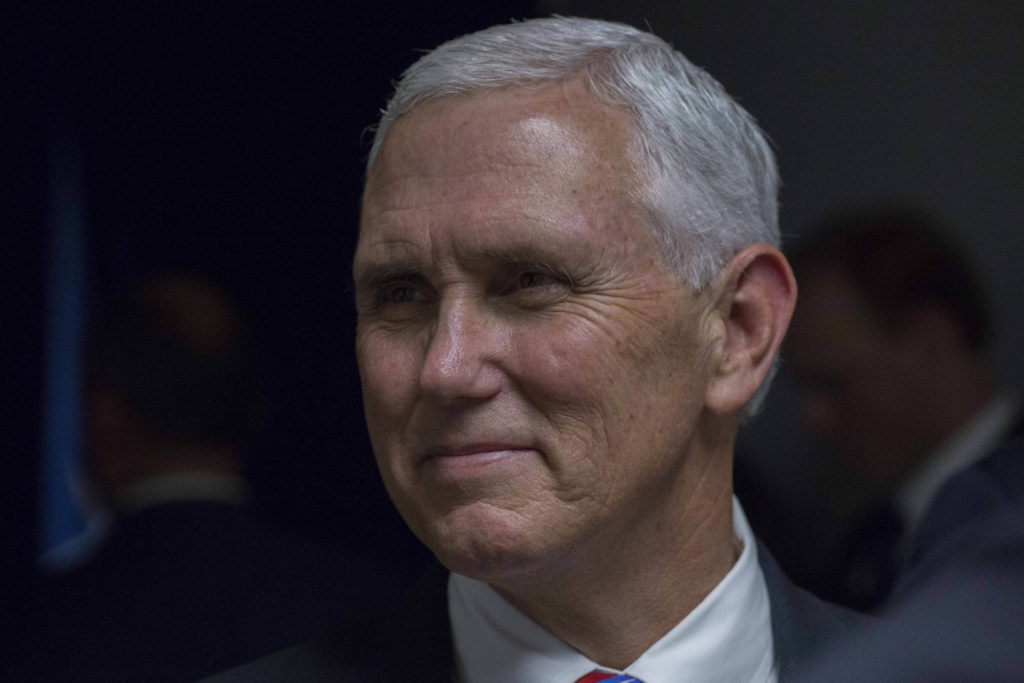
(802, 625)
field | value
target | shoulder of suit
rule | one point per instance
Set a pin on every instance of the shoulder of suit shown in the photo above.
(409, 641)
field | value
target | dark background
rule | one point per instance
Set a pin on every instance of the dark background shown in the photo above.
(226, 139)
(229, 139)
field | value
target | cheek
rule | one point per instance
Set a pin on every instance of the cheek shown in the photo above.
(566, 364)
(388, 372)
(603, 381)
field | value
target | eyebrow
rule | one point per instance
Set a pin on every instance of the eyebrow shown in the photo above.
(525, 254)
(514, 254)
(377, 274)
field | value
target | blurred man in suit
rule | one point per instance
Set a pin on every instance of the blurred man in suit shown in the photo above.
(189, 580)
(889, 346)
(960, 614)
(569, 297)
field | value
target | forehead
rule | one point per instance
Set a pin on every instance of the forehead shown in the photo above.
(508, 126)
(545, 156)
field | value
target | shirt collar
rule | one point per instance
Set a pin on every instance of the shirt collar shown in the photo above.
(185, 486)
(972, 442)
(727, 637)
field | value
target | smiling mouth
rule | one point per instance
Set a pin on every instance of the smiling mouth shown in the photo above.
(476, 450)
(475, 459)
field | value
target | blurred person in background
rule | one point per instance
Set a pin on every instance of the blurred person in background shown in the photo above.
(188, 578)
(959, 613)
(889, 347)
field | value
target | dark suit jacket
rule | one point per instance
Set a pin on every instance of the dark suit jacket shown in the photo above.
(961, 620)
(987, 488)
(959, 615)
(414, 641)
(183, 590)
(876, 570)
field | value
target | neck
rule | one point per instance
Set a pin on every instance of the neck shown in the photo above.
(613, 602)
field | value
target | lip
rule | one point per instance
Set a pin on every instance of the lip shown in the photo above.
(476, 461)
(474, 450)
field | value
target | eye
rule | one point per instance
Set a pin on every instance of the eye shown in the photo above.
(533, 286)
(396, 293)
(533, 278)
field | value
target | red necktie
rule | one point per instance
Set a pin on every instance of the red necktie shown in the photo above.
(595, 676)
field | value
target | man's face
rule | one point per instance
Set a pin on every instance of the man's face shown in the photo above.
(532, 374)
(860, 385)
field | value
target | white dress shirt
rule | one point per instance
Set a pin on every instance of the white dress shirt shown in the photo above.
(727, 638)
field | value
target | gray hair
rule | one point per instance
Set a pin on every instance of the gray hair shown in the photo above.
(709, 179)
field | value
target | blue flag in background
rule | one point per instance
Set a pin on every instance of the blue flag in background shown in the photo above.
(63, 520)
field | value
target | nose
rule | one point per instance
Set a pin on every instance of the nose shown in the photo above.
(460, 362)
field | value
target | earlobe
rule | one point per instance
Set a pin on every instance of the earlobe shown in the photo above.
(756, 293)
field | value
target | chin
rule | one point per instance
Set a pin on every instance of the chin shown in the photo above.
(486, 543)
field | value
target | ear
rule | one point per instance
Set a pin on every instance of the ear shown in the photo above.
(753, 300)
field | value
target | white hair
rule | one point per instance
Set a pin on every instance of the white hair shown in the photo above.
(709, 182)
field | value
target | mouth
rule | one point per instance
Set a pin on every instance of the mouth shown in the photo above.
(473, 450)
(474, 457)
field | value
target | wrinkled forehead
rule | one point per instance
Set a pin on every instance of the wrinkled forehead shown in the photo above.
(562, 129)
